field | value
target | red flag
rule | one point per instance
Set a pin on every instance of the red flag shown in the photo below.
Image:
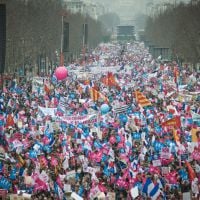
(10, 120)
(46, 88)
(174, 122)
(141, 99)
(191, 172)
(176, 136)
(95, 95)
(110, 81)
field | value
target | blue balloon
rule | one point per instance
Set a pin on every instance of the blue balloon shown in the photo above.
(63, 126)
(72, 96)
(129, 111)
(106, 171)
(71, 126)
(118, 139)
(104, 158)
(54, 79)
(85, 134)
(5, 184)
(105, 108)
(80, 126)
(32, 154)
(183, 174)
(158, 146)
(13, 174)
(97, 145)
(123, 118)
(136, 136)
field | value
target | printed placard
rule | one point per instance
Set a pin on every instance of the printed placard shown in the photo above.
(184, 156)
(111, 195)
(71, 174)
(187, 196)
(165, 153)
(156, 163)
(165, 170)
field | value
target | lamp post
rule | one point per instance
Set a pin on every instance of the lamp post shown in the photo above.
(61, 43)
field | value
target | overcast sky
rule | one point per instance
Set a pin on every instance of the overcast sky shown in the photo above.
(128, 9)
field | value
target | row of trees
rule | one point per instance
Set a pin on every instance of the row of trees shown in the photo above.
(179, 29)
(34, 32)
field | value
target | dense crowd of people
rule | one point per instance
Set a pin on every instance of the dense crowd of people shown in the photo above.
(130, 129)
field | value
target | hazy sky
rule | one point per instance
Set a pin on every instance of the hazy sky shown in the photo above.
(128, 9)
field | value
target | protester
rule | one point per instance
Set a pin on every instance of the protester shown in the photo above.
(128, 131)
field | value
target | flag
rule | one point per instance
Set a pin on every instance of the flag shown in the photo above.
(161, 183)
(187, 108)
(121, 109)
(191, 172)
(141, 99)
(174, 122)
(194, 134)
(10, 121)
(46, 88)
(95, 95)
(110, 81)
(155, 192)
(176, 136)
(148, 186)
(58, 191)
(86, 82)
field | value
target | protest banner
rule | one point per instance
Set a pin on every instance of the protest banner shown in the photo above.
(76, 119)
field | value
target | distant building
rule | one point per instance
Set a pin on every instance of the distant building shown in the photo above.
(126, 32)
(84, 7)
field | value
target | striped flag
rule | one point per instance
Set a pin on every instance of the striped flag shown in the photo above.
(95, 95)
(2, 157)
(121, 109)
(141, 99)
(148, 186)
(155, 192)
(151, 190)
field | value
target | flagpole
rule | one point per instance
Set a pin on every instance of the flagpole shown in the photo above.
(98, 123)
(61, 44)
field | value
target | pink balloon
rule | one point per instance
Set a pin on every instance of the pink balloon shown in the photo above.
(112, 139)
(98, 156)
(54, 161)
(171, 177)
(102, 188)
(61, 73)
(43, 160)
(45, 140)
(120, 145)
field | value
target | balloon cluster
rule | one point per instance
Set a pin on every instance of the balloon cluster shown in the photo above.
(158, 146)
(136, 136)
(4, 183)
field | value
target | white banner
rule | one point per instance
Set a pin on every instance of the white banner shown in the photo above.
(195, 116)
(74, 119)
(48, 111)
